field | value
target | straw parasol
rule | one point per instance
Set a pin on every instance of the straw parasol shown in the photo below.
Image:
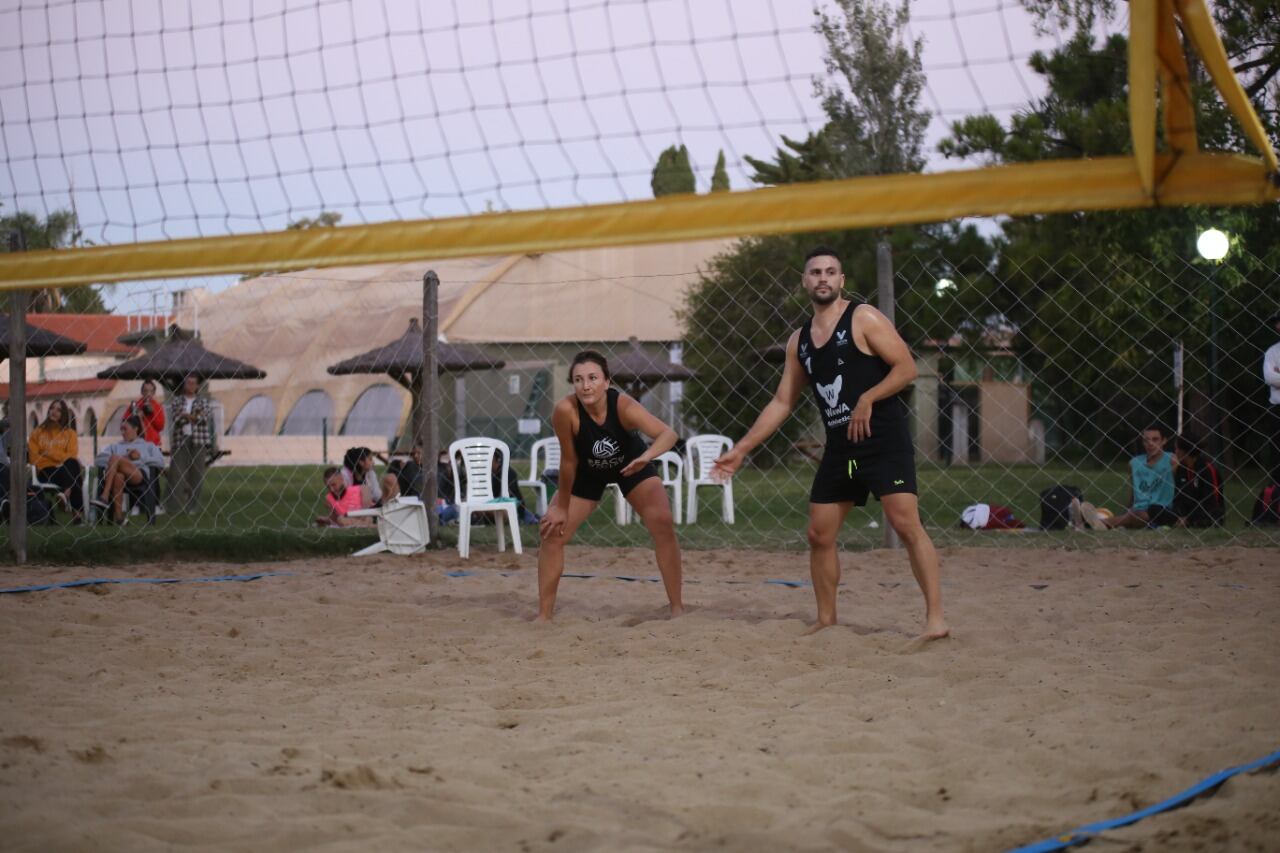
(179, 355)
(402, 360)
(637, 370)
(40, 342)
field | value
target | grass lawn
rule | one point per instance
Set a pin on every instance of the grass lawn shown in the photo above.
(265, 513)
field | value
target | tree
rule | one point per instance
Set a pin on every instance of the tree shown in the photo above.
(58, 230)
(871, 94)
(720, 177)
(750, 297)
(1099, 298)
(672, 173)
(324, 219)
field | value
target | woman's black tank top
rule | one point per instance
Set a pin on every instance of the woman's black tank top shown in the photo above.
(605, 448)
(839, 373)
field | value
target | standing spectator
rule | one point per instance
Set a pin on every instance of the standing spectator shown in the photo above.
(1198, 498)
(1152, 489)
(52, 450)
(1271, 375)
(149, 411)
(191, 416)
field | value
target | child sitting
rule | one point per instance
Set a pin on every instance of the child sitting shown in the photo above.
(342, 499)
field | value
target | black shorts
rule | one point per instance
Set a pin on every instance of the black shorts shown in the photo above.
(846, 476)
(589, 485)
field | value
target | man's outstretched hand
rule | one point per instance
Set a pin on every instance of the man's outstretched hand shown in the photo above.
(727, 464)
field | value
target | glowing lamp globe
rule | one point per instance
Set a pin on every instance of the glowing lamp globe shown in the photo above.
(1212, 245)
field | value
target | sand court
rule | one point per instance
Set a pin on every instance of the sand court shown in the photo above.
(382, 704)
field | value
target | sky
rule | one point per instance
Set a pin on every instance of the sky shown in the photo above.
(160, 120)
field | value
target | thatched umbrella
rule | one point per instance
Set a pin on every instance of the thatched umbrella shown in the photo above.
(402, 360)
(40, 342)
(179, 355)
(637, 371)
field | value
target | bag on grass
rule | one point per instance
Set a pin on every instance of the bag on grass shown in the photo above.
(1055, 506)
(1266, 509)
(989, 517)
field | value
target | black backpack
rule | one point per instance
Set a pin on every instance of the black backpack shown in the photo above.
(1055, 506)
(1266, 509)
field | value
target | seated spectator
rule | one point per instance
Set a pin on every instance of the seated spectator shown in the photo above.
(126, 463)
(52, 449)
(513, 489)
(408, 473)
(1152, 487)
(1198, 500)
(149, 411)
(357, 469)
(342, 498)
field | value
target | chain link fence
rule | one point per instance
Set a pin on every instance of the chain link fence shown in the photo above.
(1040, 376)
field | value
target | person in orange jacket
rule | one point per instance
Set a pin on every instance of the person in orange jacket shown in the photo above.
(52, 449)
(149, 411)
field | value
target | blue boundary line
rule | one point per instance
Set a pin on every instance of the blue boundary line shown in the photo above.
(1086, 833)
(96, 581)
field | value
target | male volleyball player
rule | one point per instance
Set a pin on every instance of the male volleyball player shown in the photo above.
(857, 363)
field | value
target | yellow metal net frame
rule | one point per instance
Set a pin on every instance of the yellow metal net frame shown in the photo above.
(1180, 175)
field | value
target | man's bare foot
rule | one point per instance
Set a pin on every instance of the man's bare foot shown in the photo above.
(677, 610)
(815, 628)
(542, 618)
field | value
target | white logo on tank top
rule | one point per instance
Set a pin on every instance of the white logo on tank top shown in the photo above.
(831, 393)
(605, 448)
(841, 337)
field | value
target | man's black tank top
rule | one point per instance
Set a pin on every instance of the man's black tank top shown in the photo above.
(605, 448)
(839, 373)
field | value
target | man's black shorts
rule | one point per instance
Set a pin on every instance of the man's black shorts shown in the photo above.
(845, 476)
(589, 485)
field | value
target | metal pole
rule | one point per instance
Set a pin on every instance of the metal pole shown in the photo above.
(426, 431)
(885, 300)
(18, 425)
(324, 441)
(1215, 409)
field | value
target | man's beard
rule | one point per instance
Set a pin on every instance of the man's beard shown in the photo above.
(832, 296)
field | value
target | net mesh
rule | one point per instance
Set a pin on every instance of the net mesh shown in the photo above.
(153, 121)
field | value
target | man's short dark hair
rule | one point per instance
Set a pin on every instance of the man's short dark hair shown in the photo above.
(135, 422)
(329, 472)
(147, 382)
(822, 252)
(1187, 445)
(1156, 428)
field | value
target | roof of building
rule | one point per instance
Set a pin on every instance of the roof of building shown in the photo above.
(99, 332)
(62, 388)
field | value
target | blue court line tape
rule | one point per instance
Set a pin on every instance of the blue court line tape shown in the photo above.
(96, 581)
(1085, 834)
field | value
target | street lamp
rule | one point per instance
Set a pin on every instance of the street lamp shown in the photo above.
(1212, 245)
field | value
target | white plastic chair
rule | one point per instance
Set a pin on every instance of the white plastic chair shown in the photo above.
(622, 513)
(477, 461)
(549, 450)
(402, 526)
(701, 452)
(671, 468)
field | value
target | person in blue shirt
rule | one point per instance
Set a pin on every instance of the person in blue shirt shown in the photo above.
(1152, 486)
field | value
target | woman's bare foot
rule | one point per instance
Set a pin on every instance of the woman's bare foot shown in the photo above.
(677, 610)
(935, 629)
(815, 628)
